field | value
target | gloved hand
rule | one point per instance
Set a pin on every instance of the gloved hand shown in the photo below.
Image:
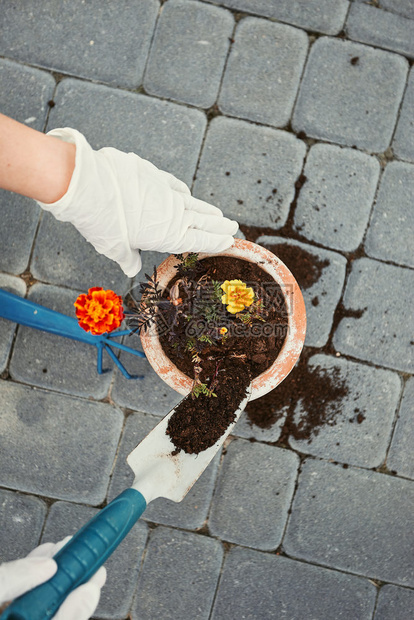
(20, 576)
(121, 203)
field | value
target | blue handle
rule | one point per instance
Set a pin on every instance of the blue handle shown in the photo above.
(80, 558)
(31, 314)
(25, 312)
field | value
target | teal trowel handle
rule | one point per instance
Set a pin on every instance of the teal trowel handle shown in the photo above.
(80, 558)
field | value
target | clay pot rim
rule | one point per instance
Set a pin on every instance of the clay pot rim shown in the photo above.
(292, 347)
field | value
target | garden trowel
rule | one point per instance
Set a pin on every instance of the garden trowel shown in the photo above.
(159, 472)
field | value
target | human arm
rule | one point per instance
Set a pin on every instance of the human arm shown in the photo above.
(32, 163)
(118, 201)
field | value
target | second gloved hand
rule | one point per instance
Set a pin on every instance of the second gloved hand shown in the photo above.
(122, 203)
(20, 576)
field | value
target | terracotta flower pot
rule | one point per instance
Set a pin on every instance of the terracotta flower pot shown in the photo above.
(292, 346)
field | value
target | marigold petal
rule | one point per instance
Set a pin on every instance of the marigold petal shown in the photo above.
(100, 311)
(237, 295)
(225, 285)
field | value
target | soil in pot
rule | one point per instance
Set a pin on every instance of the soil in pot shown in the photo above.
(257, 343)
(198, 423)
(219, 350)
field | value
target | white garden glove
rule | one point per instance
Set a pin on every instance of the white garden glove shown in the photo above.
(20, 576)
(122, 204)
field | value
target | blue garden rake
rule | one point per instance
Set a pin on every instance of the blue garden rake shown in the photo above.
(25, 312)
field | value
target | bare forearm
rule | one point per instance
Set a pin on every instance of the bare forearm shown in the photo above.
(33, 164)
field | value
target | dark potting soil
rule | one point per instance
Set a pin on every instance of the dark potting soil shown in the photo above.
(319, 393)
(306, 267)
(258, 343)
(198, 423)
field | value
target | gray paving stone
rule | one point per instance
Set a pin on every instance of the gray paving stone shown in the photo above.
(7, 328)
(122, 566)
(178, 577)
(19, 217)
(21, 522)
(403, 143)
(346, 519)
(190, 513)
(55, 445)
(322, 297)
(62, 256)
(137, 426)
(96, 40)
(263, 72)
(24, 93)
(239, 235)
(362, 431)
(402, 7)
(325, 16)
(54, 362)
(334, 204)
(368, 24)
(391, 230)
(150, 260)
(229, 171)
(253, 494)
(260, 586)
(188, 53)
(400, 457)
(148, 394)
(245, 429)
(167, 134)
(384, 295)
(350, 103)
(394, 603)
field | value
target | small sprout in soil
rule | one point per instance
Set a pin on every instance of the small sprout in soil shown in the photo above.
(217, 291)
(201, 388)
(208, 304)
(205, 338)
(255, 312)
(188, 264)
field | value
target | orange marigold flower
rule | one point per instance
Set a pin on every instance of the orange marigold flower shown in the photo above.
(99, 311)
(223, 330)
(237, 295)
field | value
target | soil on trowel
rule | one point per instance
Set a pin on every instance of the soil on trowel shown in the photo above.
(318, 391)
(198, 423)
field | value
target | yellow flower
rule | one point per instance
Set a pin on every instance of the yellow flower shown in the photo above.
(236, 295)
(223, 330)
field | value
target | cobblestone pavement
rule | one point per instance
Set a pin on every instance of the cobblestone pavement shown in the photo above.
(225, 94)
